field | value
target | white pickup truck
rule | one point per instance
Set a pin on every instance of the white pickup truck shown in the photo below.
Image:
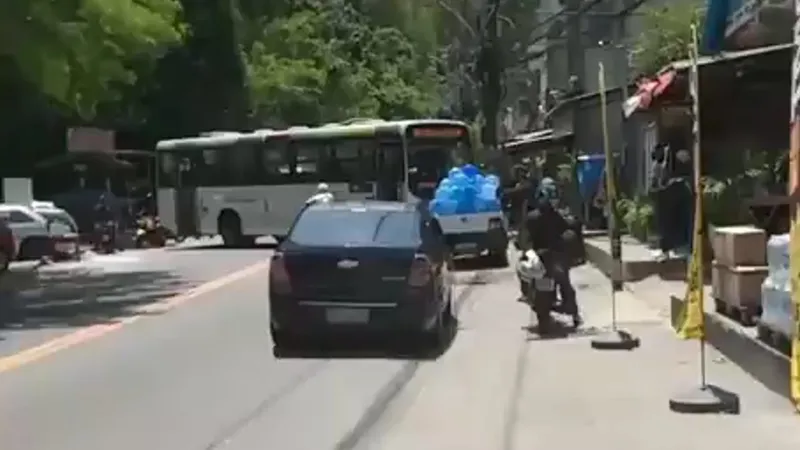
(477, 234)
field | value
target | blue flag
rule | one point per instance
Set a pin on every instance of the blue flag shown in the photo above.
(714, 29)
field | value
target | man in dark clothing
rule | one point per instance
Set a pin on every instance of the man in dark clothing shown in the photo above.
(522, 190)
(671, 188)
(103, 214)
(549, 233)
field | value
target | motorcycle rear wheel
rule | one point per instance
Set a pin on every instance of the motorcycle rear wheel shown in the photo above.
(543, 303)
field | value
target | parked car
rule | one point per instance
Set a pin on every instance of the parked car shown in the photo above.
(30, 231)
(8, 245)
(63, 230)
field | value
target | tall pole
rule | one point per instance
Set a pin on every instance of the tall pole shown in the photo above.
(615, 233)
(615, 338)
(794, 193)
(491, 78)
(611, 193)
(576, 72)
(699, 232)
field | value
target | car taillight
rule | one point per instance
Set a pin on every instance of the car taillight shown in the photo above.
(495, 224)
(421, 271)
(279, 275)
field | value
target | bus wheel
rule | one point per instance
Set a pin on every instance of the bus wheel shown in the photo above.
(229, 226)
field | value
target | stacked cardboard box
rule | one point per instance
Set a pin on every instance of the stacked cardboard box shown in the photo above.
(739, 268)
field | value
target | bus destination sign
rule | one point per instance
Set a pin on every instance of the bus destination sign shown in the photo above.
(439, 132)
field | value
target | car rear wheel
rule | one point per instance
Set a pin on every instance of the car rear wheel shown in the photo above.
(5, 260)
(437, 336)
(283, 339)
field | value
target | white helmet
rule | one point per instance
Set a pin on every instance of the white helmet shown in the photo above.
(323, 187)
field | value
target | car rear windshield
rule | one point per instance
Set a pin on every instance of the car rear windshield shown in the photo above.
(355, 227)
(59, 222)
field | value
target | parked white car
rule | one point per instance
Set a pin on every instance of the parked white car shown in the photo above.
(30, 230)
(62, 227)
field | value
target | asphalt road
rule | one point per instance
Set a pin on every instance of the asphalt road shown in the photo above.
(203, 376)
(200, 376)
(49, 302)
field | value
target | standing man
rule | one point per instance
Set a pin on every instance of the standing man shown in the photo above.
(661, 206)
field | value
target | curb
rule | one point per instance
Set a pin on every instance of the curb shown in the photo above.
(631, 270)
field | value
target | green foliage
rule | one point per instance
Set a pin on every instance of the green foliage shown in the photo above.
(637, 214)
(177, 67)
(333, 62)
(760, 174)
(667, 34)
(79, 52)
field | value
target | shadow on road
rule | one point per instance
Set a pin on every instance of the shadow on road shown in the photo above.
(469, 264)
(364, 347)
(218, 246)
(73, 298)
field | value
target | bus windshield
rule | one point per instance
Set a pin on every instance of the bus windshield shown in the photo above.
(429, 160)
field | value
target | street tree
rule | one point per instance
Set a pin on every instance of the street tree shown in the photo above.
(80, 53)
(332, 61)
(667, 35)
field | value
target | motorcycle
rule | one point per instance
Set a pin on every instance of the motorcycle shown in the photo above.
(105, 232)
(541, 286)
(150, 232)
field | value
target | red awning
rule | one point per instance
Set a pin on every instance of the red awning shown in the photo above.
(649, 89)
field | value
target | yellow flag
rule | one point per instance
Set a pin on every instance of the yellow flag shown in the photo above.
(794, 261)
(691, 322)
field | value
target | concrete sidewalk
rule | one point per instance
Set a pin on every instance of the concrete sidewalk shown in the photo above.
(501, 388)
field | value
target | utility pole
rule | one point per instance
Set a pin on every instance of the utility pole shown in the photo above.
(491, 68)
(576, 62)
(621, 50)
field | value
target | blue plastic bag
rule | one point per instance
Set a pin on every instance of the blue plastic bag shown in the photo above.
(470, 171)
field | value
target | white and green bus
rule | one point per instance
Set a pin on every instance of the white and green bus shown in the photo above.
(245, 185)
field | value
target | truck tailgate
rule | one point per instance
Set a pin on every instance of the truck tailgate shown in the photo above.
(469, 223)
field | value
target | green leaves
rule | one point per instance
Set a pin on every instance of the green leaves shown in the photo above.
(304, 61)
(334, 62)
(78, 52)
(667, 35)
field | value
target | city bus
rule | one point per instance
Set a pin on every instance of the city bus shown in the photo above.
(245, 185)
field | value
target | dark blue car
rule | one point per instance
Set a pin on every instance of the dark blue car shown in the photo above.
(361, 267)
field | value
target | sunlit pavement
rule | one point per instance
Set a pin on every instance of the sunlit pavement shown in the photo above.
(203, 376)
(38, 304)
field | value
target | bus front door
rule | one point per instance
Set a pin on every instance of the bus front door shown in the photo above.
(389, 171)
(186, 211)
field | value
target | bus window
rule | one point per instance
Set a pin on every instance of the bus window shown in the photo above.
(308, 156)
(241, 165)
(390, 170)
(210, 168)
(428, 162)
(275, 163)
(167, 170)
(350, 160)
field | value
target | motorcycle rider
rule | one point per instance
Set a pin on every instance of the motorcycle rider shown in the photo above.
(521, 189)
(103, 215)
(548, 235)
(323, 195)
